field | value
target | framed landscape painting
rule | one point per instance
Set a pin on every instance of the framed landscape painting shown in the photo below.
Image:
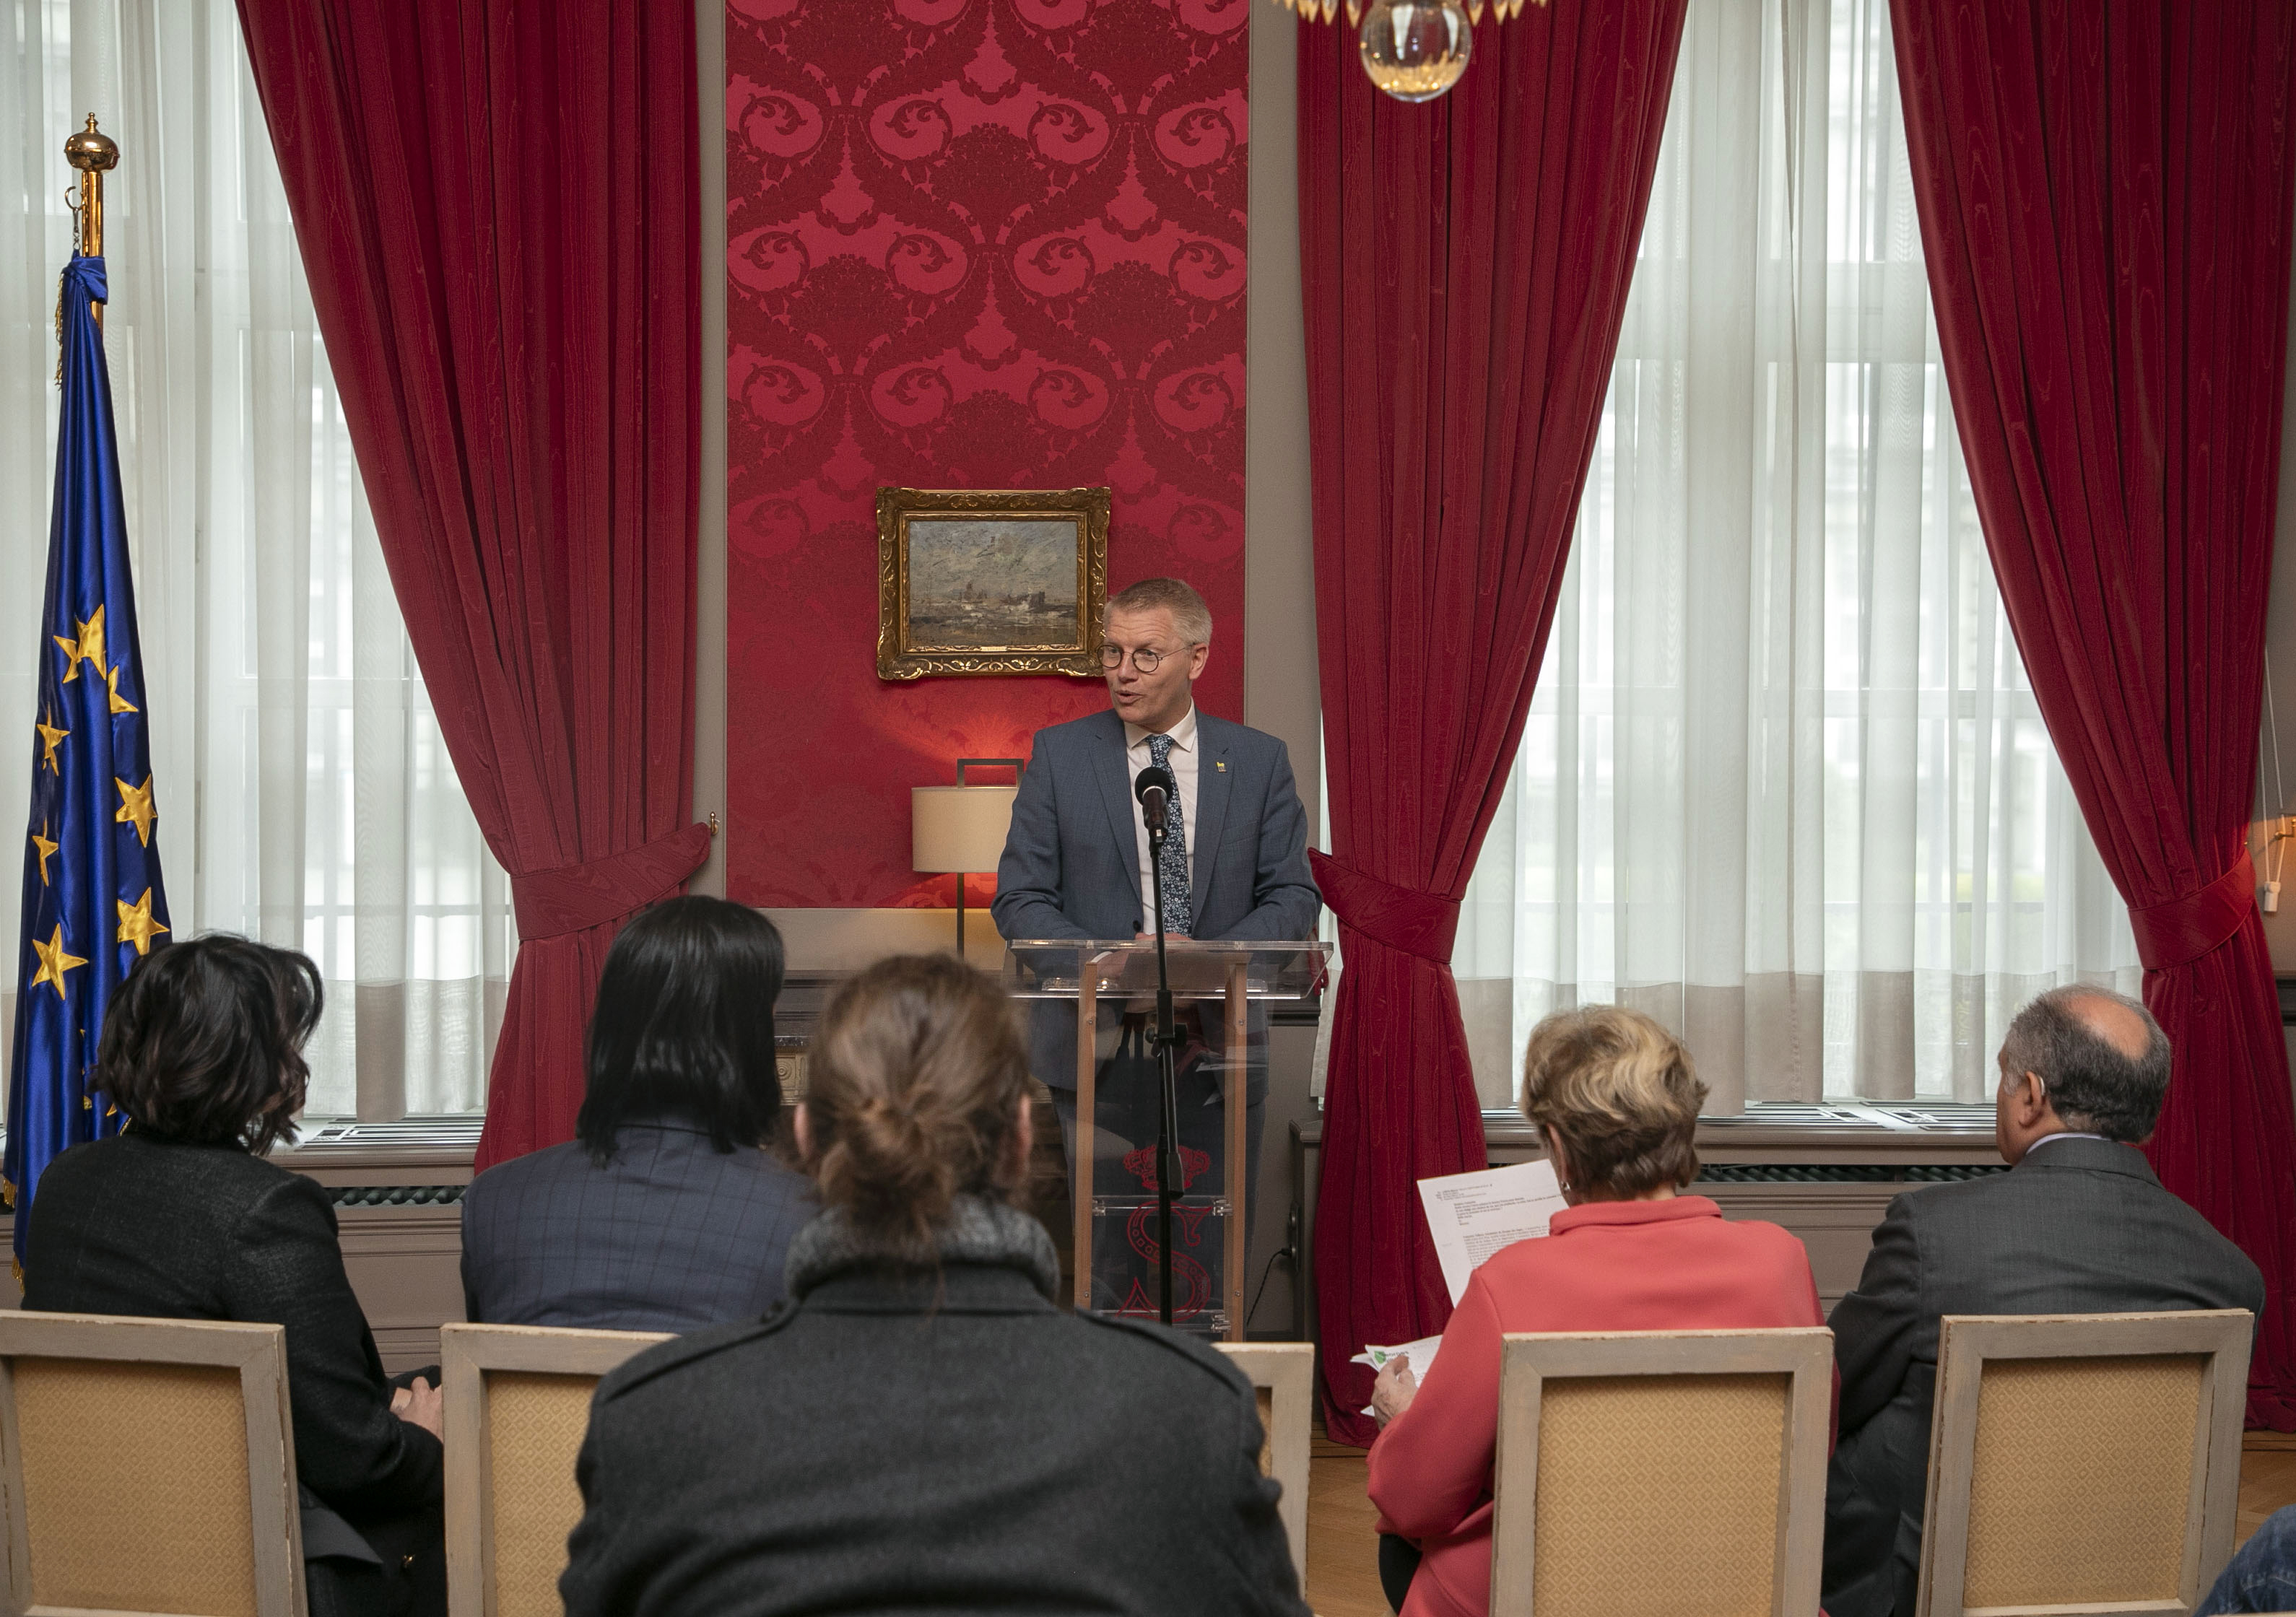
(1005, 581)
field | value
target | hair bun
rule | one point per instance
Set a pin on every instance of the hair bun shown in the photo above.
(917, 1074)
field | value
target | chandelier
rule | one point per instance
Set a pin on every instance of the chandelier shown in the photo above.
(1415, 50)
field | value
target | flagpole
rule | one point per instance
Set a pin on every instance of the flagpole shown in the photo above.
(92, 153)
(94, 901)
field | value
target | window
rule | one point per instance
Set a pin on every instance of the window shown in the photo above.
(305, 797)
(1784, 785)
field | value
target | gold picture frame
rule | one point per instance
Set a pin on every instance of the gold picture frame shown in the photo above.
(975, 580)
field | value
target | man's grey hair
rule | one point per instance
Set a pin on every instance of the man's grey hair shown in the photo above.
(2093, 1086)
(1190, 617)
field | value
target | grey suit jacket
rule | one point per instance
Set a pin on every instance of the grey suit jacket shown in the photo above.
(670, 1235)
(951, 1442)
(2077, 1227)
(1071, 863)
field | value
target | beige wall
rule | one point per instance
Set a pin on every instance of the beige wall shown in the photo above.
(1280, 694)
(709, 589)
(2280, 654)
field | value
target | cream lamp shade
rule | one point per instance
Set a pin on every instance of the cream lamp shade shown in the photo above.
(957, 828)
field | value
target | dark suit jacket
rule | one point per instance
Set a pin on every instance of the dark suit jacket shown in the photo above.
(1072, 864)
(2077, 1227)
(142, 1224)
(670, 1235)
(888, 1447)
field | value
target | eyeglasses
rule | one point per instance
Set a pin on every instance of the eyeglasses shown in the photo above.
(1112, 658)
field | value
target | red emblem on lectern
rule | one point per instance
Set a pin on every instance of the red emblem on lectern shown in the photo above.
(1192, 1282)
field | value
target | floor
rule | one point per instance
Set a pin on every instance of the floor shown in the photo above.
(1343, 1575)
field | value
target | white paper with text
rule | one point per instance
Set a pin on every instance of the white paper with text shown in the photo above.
(1421, 1354)
(1473, 1215)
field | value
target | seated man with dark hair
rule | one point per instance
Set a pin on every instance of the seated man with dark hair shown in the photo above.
(2079, 1226)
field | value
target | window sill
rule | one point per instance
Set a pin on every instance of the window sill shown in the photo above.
(413, 1151)
(1844, 1134)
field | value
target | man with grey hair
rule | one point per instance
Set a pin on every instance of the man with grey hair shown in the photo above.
(2078, 1225)
(1077, 864)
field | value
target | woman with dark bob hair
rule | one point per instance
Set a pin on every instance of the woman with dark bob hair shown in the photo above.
(1616, 1102)
(180, 1218)
(922, 1425)
(665, 1212)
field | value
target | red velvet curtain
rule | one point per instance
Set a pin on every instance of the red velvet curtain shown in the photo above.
(2104, 193)
(498, 210)
(1466, 267)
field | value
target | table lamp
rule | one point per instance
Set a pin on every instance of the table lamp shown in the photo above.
(954, 830)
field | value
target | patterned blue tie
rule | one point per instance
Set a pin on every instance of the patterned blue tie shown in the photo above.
(1172, 868)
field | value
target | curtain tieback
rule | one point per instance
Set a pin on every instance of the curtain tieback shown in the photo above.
(1404, 918)
(2181, 930)
(596, 892)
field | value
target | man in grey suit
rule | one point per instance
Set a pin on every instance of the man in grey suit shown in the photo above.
(2078, 1225)
(1076, 863)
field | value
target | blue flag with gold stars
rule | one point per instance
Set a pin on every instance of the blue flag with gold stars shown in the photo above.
(92, 899)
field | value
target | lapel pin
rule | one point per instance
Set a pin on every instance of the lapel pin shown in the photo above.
(1220, 764)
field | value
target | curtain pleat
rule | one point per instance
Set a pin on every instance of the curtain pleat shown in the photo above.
(1784, 785)
(304, 798)
(2104, 193)
(497, 206)
(1466, 264)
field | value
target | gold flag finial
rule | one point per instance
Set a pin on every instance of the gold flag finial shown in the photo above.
(92, 153)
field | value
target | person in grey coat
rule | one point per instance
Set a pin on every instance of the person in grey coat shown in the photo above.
(922, 1427)
(2078, 1225)
(666, 1212)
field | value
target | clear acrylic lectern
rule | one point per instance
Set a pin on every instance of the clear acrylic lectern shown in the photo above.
(1109, 983)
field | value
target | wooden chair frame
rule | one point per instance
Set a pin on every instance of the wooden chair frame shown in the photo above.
(1528, 1360)
(1287, 1369)
(1966, 1343)
(467, 1354)
(258, 1352)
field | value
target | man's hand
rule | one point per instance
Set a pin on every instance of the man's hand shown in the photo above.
(1393, 1393)
(421, 1405)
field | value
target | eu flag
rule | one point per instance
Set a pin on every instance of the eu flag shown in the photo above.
(92, 898)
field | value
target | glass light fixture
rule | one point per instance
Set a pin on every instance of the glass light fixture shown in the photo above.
(1415, 50)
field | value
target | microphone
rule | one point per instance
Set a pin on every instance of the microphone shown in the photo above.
(1155, 788)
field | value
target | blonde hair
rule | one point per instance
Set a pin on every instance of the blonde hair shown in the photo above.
(1191, 620)
(1619, 1093)
(913, 1095)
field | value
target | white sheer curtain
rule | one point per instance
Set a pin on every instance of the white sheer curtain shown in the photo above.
(306, 797)
(1784, 785)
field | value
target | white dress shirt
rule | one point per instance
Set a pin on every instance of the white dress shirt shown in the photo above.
(1183, 764)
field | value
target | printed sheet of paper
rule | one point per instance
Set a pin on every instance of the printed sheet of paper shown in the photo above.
(1421, 1353)
(1473, 1215)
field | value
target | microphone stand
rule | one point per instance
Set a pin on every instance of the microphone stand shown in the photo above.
(1169, 1183)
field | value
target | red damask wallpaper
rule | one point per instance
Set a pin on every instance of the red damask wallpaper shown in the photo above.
(970, 244)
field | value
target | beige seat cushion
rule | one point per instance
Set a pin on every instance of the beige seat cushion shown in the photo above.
(2065, 1508)
(535, 1426)
(136, 1486)
(1651, 1485)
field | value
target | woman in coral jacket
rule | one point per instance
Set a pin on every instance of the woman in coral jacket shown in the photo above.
(1615, 1097)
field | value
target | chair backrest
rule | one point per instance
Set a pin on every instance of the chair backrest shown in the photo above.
(1283, 1374)
(1637, 1469)
(2085, 1462)
(146, 1465)
(518, 1405)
